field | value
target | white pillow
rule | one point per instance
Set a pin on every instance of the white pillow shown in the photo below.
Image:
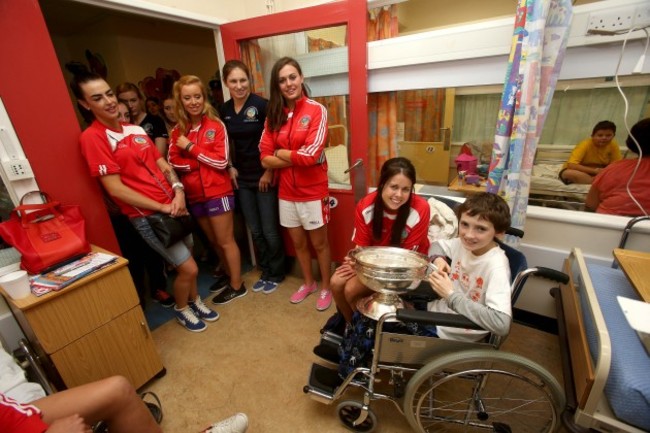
(337, 163)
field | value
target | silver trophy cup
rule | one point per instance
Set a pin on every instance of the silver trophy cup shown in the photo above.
(389, 271)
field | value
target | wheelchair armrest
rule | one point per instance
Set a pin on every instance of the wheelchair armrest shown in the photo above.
(551, 274)
(432, 318)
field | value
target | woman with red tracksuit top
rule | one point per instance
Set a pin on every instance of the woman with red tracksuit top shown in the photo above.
(294, 137)
(199, 152)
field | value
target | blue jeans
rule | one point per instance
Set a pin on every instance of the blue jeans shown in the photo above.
(175, 255)
(260, 211)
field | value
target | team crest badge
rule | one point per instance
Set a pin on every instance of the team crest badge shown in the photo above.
(140, 140)
(251, 113)
(210, 134)
(304, 121)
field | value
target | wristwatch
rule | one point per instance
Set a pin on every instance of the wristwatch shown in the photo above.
(178, 185)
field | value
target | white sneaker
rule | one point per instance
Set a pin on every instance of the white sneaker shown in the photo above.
(237, 423)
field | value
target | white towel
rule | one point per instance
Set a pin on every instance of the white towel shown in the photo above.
(443, 223)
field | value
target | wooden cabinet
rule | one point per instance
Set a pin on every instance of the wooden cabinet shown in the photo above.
(92, 329)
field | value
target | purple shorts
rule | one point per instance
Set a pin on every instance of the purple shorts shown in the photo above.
(214, 207)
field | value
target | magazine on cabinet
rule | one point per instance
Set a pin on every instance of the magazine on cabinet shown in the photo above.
(69, 273)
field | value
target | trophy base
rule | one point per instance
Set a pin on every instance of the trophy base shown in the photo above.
(378, 304)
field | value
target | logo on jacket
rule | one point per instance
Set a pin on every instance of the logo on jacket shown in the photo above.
(141, 141)
(304, 122)
(251, 114)
(210, 134)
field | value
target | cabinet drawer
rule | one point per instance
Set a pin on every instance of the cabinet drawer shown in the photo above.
(75, 313)
(123, 346)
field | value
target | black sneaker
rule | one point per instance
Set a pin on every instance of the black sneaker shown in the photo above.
(222, 281)
(164, 299)
(228, 294)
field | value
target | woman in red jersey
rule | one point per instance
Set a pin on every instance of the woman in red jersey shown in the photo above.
(390, 216)
(292, 144)
(199, 152)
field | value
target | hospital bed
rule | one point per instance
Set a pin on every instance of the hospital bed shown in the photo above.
(606, 368)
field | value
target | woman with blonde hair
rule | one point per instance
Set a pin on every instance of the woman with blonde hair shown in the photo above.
(199, 152)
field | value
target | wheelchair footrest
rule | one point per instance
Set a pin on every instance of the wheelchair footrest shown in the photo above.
(324, 379)
(328, 350)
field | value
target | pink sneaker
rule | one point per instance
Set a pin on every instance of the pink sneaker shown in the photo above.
(324, 300)
(303, 292)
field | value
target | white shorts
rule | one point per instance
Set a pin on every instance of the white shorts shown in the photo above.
(308, 214)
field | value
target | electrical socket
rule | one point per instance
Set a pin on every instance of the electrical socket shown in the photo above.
(611, 21)
(642, 16)
(17, 169)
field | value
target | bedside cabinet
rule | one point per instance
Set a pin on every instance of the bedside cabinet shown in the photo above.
(92, 329)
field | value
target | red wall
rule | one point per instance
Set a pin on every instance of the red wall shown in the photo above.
(35, 96)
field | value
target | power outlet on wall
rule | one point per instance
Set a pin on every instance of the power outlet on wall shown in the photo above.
(611, 21)
(17, 169)
(642, 16)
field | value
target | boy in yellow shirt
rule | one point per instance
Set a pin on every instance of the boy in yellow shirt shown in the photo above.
(591, 155)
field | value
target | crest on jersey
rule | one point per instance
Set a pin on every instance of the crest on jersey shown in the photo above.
(251, 113)
(304, 122)
(210, 134)
(140, 140)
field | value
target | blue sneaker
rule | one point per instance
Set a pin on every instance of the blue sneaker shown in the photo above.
(202, 311)
(259, 285)
(269, 287)
(188, 319)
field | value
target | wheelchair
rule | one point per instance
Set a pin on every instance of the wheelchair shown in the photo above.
(444, 385)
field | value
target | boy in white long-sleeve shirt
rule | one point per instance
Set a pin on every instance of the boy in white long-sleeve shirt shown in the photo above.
(477, 282)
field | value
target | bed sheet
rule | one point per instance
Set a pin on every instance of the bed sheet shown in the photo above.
(545, 181)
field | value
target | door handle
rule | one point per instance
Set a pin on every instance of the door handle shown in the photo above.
(357, 163)
(446, 138)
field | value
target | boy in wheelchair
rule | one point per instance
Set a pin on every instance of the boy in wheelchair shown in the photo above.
(473, 279)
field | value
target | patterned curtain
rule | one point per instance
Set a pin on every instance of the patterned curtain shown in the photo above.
(382, 134)
(422, 112)
(538, 45)
(252, 56)
(382, 107)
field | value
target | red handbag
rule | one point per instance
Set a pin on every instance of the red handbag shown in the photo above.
(46, 234)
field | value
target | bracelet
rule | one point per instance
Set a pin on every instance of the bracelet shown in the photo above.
(276, 153)
(189, 146)
(178, 185)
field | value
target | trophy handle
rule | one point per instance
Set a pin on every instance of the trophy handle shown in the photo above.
(430, 269)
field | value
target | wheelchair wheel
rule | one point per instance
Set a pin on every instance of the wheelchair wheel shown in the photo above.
(349, 411)
(483, 390)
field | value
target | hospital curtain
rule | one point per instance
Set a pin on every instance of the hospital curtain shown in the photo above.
(382, 136)
(252, 57)
(538, 46)
(422, 112)
(382, 107)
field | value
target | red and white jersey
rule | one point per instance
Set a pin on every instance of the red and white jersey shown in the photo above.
(131, 154)
(19, 418)
(203, 170)
(414, 236)
(305, 134)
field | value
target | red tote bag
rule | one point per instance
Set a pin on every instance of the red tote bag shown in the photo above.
(46, 234)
